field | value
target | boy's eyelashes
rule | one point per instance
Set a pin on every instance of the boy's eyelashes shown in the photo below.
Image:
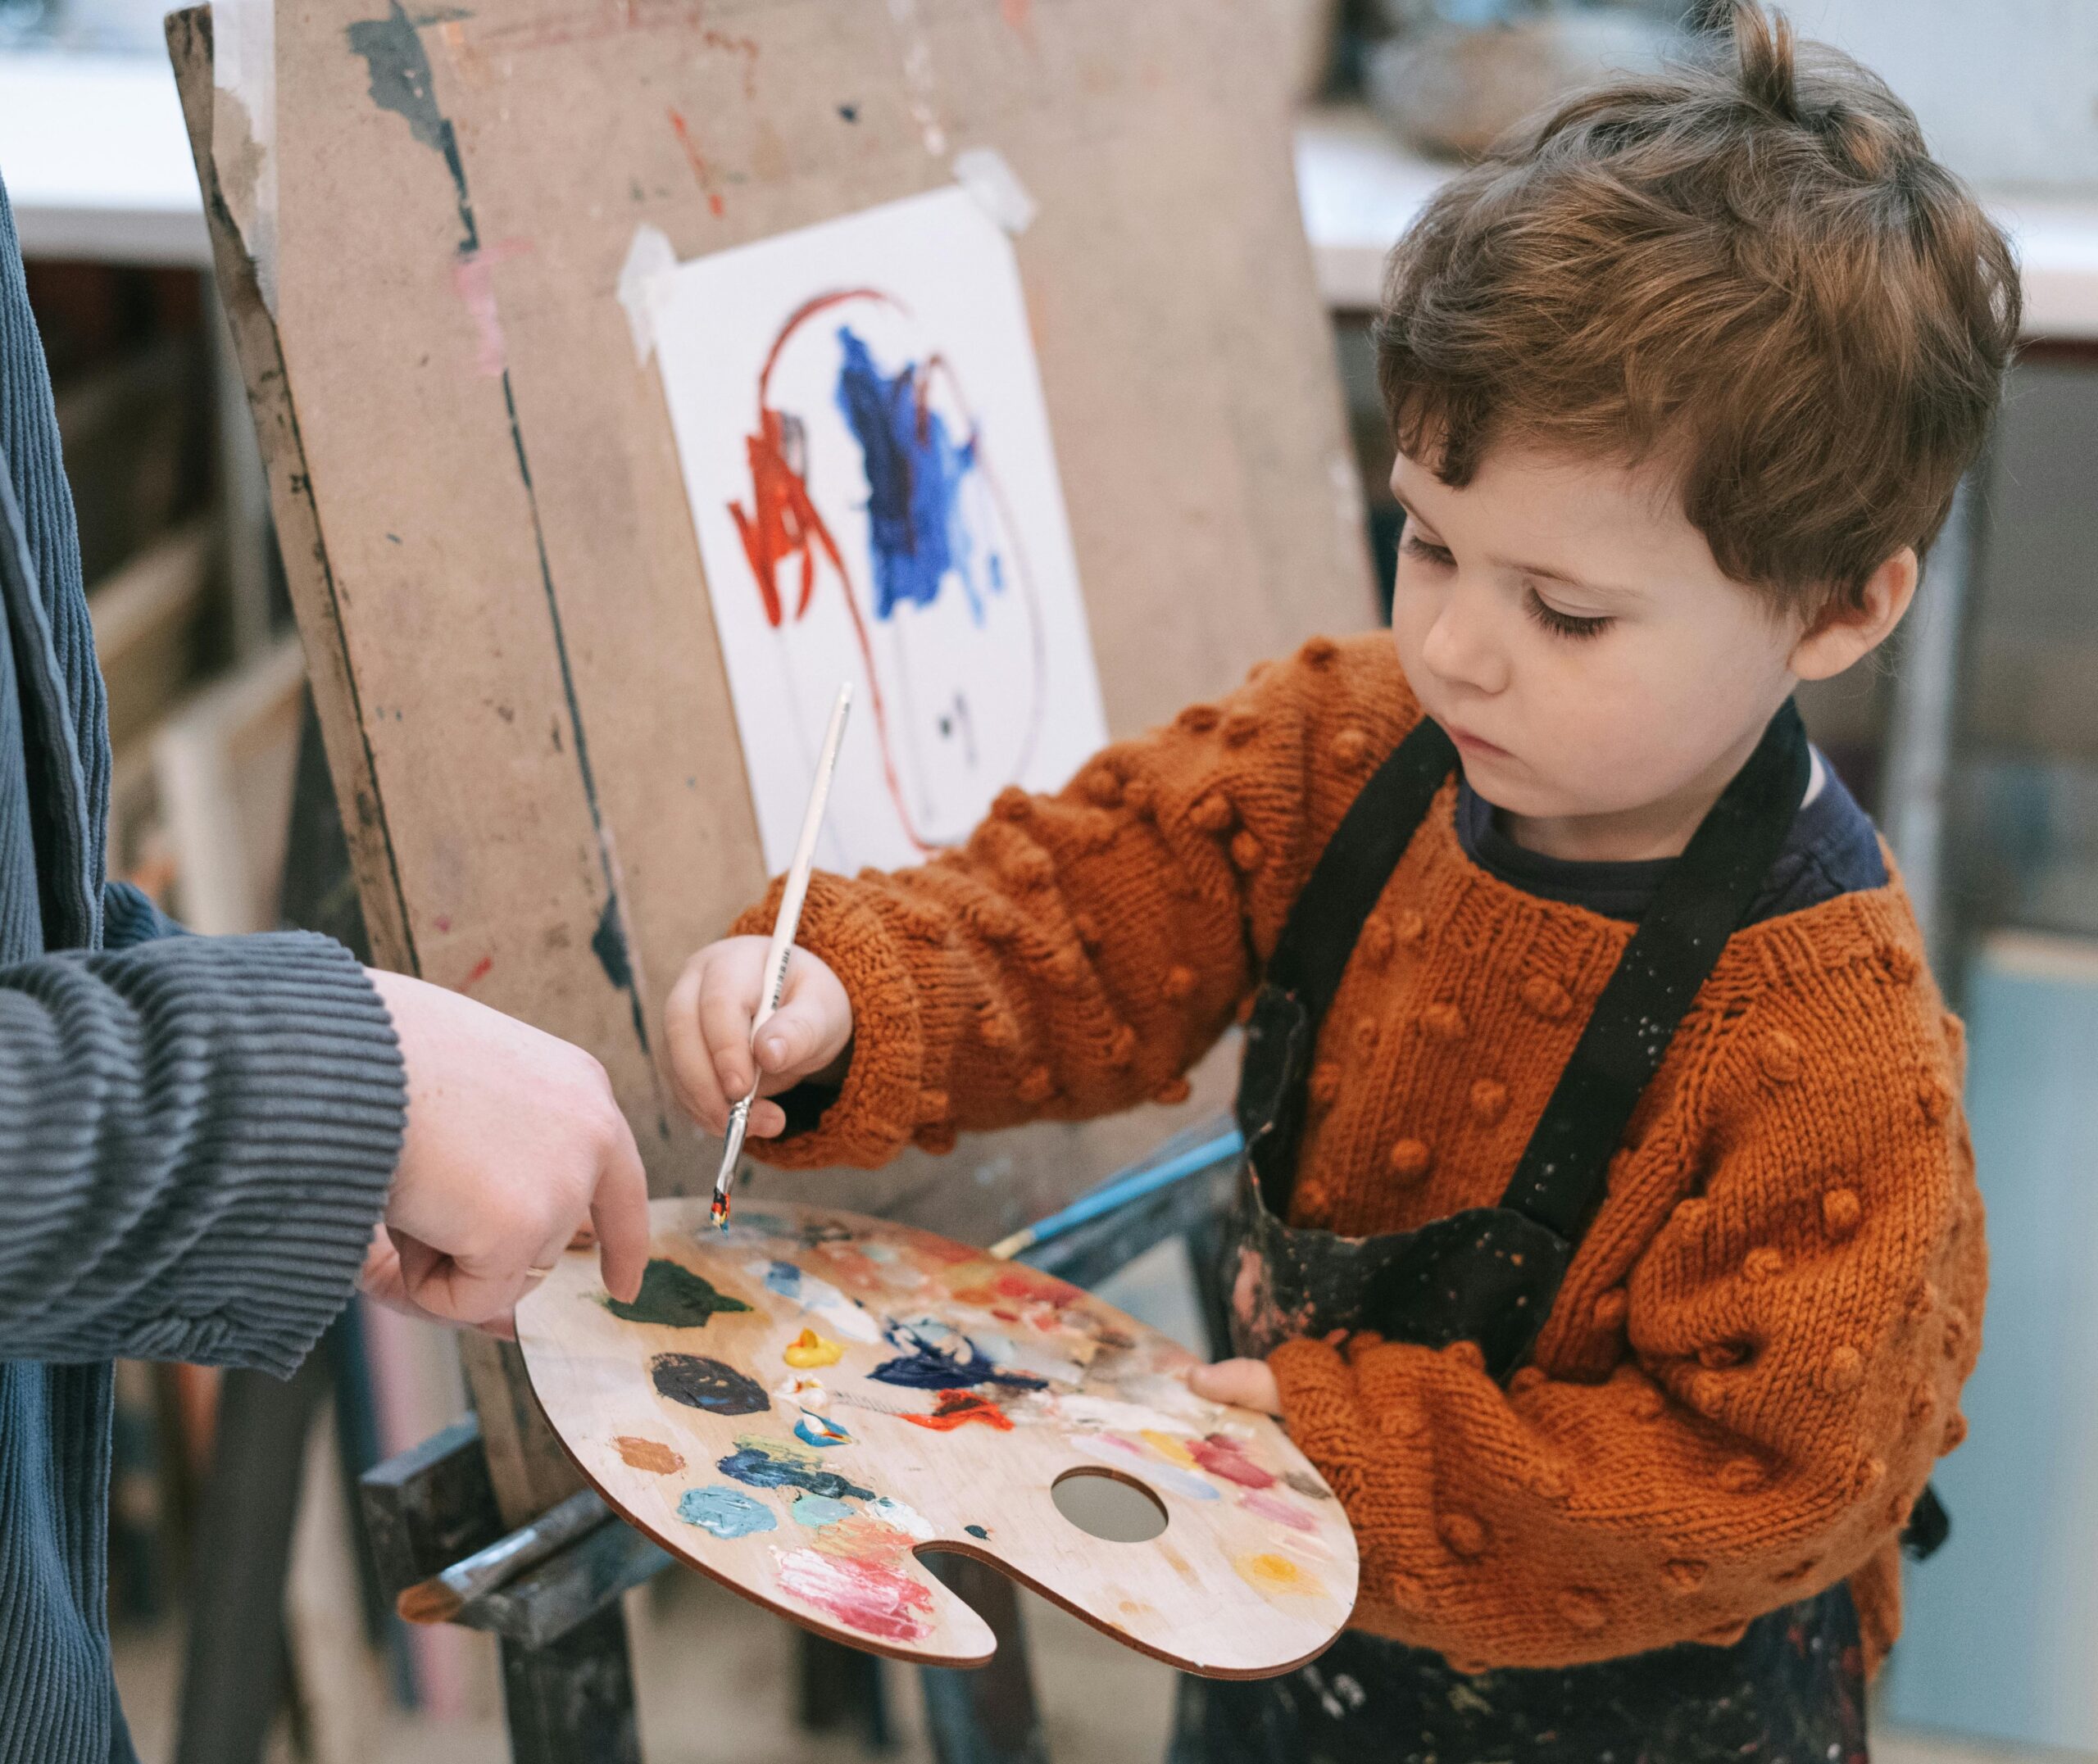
(1540, 610)
(1428, 551)
(1559, 623)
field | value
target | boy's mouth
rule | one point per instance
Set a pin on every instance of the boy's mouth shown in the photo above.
(1474, 745)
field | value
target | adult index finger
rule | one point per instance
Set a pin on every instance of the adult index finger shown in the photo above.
(619, 1209)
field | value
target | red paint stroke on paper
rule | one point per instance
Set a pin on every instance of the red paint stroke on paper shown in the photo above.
(871, 1597)
(1222, 1456)
(700, 169)
(473, 280)
(1273, 1506)
(1019, 15)
(476, 974)
(957, 1408)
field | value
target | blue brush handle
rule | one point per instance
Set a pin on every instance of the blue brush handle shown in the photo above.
(1133, 1186)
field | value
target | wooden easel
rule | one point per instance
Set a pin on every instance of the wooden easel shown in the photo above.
(420, 223)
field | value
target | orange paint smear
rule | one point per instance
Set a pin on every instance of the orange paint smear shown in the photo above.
(651, 1455)
(957, 1408)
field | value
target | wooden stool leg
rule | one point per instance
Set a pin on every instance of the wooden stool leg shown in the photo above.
(988, 1715)
(572, 1701)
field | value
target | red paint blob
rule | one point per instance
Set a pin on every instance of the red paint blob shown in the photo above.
(959, 1407)
(866, 1596)
(1222, 1456)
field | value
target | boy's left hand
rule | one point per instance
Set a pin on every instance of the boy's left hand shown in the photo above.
(1244, 1384)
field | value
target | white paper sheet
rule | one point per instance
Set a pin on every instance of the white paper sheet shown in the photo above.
(860, 421)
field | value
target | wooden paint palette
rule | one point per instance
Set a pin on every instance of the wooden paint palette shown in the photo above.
(798, 1405)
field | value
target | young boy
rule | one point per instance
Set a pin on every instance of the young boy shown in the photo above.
(1615, 1251)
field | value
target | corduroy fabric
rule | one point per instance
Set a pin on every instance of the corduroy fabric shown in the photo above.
(1757, 1354)
(195, 1134)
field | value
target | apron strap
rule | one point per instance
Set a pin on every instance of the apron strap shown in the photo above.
(1703, 897)
(1326, 921)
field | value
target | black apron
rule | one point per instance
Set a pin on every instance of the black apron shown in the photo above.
(1793, 1688)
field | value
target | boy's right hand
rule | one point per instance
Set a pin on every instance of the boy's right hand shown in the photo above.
(707, 1025)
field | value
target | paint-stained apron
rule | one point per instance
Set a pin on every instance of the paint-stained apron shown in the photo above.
(1791, 1690)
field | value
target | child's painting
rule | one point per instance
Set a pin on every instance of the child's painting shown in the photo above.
(861, 426)
(800, 1405)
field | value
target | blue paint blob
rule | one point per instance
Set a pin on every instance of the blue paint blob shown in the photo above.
(976, 1531)
(725, 1511)
(915, 471)
(817, 1510)
(813, 1430)
(785, 1279)
(951, 1362)
(764, 1469)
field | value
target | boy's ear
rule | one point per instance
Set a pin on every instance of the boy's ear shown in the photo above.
(1852, 628)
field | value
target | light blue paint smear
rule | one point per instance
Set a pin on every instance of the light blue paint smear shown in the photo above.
(813, 1430)
(725, 1511)
(785, 1279)
(817, 1510)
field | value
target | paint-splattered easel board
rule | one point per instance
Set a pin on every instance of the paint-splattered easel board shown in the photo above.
(799, 1404)
(422, 220)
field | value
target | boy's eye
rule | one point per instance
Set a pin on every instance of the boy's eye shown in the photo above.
(1428, 552)
(1560, 623)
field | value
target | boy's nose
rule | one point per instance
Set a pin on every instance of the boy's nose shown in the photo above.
(1459, 649)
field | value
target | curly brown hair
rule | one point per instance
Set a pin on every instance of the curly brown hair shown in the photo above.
(1749, 266)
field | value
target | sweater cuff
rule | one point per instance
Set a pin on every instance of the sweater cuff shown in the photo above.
(875, 1111)
(312, 1101)
(1323, 1411)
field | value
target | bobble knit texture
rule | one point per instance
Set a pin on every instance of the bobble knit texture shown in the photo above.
(1757, 1354)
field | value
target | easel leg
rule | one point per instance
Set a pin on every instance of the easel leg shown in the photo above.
(572, 1702)
(988, 1715)
(839, 1688)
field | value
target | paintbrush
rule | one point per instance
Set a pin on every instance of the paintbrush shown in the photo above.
(783, 928)
(1119, 1192)
(443, 1596)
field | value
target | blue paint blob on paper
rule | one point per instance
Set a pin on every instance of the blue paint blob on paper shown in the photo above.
(813, 1430)
(764, 1468)
(916, 473)
(947, 1362)
(817, 1510)
(725, 1511)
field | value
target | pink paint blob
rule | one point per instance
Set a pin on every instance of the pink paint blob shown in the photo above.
(1222, 1456)
(867, 1596)
(473, 278)
(1273, 1506)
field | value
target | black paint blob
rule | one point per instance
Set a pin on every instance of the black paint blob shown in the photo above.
(701, 1383)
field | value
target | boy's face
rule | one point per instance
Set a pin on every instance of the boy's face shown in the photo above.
(1569, 626)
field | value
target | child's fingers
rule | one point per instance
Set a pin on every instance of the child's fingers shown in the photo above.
(789, 1044)
(1243, 1384)
(727, 1003)
(768, 1121)
(692, 1069)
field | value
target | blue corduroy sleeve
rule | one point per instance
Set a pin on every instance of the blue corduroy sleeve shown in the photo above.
(197, 1136)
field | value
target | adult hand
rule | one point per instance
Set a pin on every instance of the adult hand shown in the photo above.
(707, 1026)
(513, 1141)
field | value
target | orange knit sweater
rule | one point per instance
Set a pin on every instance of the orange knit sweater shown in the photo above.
(1757, 1354)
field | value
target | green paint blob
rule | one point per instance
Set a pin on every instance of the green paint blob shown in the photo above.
(673, 1295)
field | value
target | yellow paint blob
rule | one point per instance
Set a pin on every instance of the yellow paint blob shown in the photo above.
(809, 1348)
(1171, 1448)
(1274, 1574)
